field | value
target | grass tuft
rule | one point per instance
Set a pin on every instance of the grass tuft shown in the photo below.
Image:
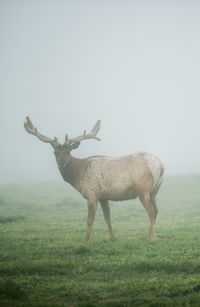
(82, 250)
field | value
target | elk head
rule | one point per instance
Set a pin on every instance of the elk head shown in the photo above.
(62, 151)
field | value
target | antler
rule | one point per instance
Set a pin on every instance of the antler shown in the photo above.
(33, 130)
(86, 136)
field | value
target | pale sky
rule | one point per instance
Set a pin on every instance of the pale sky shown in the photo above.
(133, 64)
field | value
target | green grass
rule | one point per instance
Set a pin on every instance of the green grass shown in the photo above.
(45, 262)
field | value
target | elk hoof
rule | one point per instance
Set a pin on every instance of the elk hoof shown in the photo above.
(113, 238)
(152, 238)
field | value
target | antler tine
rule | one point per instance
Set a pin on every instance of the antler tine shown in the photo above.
(67, 140)
(91, 135)
(30, 128)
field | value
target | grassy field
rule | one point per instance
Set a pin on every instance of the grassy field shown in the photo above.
(45, 262)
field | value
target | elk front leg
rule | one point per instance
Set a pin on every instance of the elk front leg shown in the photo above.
(106, 212)
(148, 205)
(92, 207)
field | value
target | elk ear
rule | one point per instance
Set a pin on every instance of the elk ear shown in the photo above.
(75, 145)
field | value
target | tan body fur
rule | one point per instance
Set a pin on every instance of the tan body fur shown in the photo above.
(103, 178)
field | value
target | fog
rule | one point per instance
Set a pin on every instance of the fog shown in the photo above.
(133, 64)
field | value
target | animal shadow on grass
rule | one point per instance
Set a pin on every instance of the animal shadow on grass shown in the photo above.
(39, 269)
(11, 219)
(195, 289)
(167, 267)
(12, 290)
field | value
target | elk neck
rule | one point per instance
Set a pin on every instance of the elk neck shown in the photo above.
(71, 168)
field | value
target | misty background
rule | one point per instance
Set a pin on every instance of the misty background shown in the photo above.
(133, 64)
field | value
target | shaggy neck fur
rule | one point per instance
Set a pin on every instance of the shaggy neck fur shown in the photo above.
(71, 169)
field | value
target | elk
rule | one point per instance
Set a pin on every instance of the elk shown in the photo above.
(103, 178)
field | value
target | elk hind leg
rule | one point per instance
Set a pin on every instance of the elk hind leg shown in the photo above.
(106, 212)
(153, 199)
(148, 205)
(155, 208)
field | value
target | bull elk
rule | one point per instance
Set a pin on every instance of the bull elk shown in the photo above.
(102, 178)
